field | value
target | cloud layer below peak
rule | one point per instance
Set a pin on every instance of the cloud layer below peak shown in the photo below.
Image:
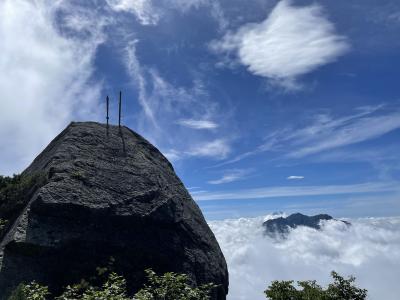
(254, 260)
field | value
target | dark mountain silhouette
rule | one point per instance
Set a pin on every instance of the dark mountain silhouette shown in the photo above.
(109, 193)
(281, 226)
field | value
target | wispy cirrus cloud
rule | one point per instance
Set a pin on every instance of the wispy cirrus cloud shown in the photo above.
(231, 176)
(325, 132)
(163, 103)
(198, 124)
(290, 191)
(295, 177)
(138, 74)
(150, 12)
(144, 10)
(172, 155)
(291, 42)
(215, 9)
(330, 133)
(217, 149)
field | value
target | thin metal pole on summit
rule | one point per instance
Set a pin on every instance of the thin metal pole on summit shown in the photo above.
(108, 105)
(119, 115)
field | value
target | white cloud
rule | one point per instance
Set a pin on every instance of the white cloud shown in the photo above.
(227, 178)
(190, 188)
(369, 250)
(291, 42)
(217, 149)
(293, 177)
(197, 192)
(290, 191)
(44, 75)
(144, 10)
(172, 155)
(230, 176)
(198, 124)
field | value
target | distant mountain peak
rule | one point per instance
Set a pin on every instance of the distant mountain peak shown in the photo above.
(281, 226)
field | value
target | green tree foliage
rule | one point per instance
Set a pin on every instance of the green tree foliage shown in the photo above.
(344, 289)
(15, 193)
(281, 290)
(172, 286)
(5, 180)
(113, 289)
(31, 291)
(3, 224)
(340, 289)
(311, 290)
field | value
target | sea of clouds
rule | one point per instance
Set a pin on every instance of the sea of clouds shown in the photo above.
(369, 250)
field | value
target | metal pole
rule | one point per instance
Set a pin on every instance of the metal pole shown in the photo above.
(108, 105)
(119, 116)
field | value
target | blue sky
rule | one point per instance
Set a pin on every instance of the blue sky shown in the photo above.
(260, 105)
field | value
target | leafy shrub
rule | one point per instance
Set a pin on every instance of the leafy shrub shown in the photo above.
(340, 289)
(170, 286)
(15, 192)
(80, 176)
(282, 290)
(32, 291)
(113, 289)
(344, 289)
(3, 224)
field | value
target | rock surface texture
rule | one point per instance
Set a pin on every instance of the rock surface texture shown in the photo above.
(281, 226)
(109, 193)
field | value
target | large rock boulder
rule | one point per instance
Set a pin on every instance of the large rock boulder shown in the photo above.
(109, 193)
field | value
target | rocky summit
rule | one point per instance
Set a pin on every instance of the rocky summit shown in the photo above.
(108, 193)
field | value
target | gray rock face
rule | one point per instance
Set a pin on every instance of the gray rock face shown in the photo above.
(110, 193)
